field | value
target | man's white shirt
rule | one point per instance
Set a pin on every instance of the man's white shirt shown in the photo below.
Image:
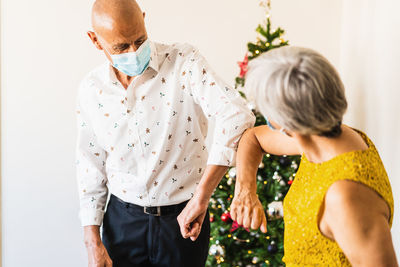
(146, 144)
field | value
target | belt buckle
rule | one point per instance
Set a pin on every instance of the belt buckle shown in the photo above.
(158, 211)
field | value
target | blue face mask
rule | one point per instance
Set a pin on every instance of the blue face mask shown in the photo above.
(133, 63)
(282, 130)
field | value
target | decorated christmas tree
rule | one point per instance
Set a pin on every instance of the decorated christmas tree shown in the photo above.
(230, 243)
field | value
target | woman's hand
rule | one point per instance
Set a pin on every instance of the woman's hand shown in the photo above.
(247, 210)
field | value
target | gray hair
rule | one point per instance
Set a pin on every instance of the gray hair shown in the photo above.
(298, 89)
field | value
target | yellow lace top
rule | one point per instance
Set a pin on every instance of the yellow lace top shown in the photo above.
(304, 244)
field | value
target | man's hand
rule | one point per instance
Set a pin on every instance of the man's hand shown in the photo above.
(192, 216)
(247, 210)
(98, 256)
(97, 253)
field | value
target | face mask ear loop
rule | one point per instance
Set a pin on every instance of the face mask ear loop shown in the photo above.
(283, 130)
(142, 46)
(103, 47)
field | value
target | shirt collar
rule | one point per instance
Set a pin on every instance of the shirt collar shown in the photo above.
(153, 57)
(111, 77)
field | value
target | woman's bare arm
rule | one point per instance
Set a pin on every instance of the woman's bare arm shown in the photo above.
(275, 142)
(246, 208)
(358, 218)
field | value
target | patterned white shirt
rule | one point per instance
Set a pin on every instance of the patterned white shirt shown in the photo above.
(146, 144)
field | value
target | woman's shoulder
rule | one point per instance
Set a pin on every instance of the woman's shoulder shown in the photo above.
(356, 139)
(346, 198)
(360, 177)
(362, 161)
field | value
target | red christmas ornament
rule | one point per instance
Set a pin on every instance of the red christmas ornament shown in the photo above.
(226, 217)
(243, 66)
(290, 182)
(236, 226)
(212, 219)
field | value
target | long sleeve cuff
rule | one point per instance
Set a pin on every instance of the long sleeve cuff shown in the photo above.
(89, 216)
(221, 155)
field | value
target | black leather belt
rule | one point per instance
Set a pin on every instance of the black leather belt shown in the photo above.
(152, 210)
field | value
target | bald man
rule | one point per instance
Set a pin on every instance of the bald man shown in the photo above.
(142, 123)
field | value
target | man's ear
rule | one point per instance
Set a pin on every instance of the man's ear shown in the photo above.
(95, 41)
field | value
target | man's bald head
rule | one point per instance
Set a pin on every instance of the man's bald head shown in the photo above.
(112, 14)
(119, 23)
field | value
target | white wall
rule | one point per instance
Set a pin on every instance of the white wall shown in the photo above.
(221, 29)
(45, 52)
(370, 63)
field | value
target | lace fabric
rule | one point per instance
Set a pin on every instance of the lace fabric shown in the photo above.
(304, 244)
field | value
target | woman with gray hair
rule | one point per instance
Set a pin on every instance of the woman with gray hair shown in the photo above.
(339, 209)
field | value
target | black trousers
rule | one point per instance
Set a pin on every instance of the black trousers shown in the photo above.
(134, 238)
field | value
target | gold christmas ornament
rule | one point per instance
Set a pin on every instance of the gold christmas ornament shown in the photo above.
(275, 210)
(216, 250)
